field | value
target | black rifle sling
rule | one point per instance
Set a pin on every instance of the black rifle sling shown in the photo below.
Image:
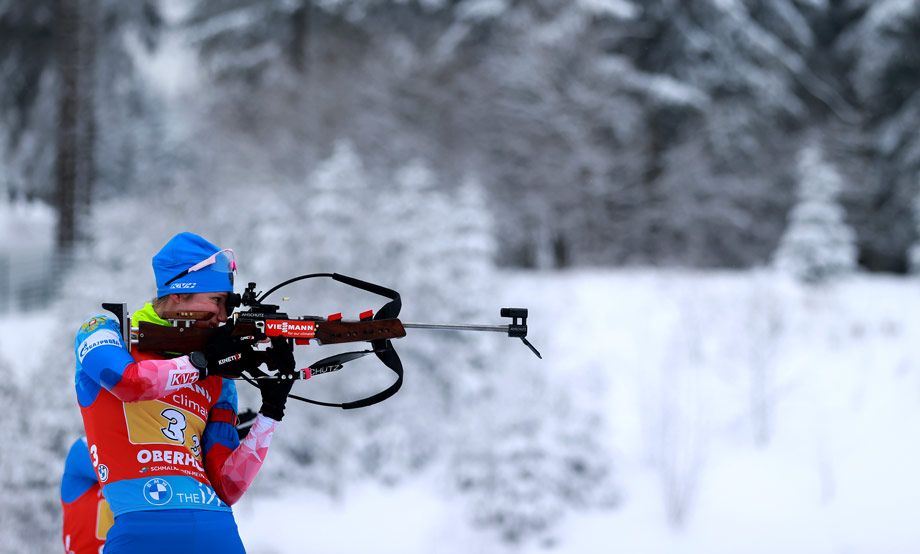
(383, 348)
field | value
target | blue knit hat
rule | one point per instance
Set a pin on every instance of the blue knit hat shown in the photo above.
(178, 256)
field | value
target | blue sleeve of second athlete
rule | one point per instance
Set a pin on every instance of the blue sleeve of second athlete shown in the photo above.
(79, 475)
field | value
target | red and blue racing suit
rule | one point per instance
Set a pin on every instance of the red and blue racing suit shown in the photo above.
(159, 439)
(87, 516)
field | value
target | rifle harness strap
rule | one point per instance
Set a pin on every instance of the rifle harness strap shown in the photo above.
(222, 415)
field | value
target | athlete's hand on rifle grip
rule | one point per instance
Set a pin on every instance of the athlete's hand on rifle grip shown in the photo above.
(281, 355)
(227, 355)
(275, 391)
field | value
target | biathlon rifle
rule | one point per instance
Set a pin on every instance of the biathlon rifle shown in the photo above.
(263, 322)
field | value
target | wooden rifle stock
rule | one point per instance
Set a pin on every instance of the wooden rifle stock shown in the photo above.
(337, 332)
(160, 338)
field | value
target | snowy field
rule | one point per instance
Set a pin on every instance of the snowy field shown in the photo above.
(744, 414)
(835, 473)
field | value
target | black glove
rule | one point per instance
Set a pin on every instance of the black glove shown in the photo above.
(226, 355)
(280, 356)
(275, 391)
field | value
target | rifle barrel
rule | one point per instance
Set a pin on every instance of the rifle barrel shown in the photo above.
(448, 327)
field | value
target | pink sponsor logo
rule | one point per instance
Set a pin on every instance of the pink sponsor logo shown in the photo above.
(179, 378)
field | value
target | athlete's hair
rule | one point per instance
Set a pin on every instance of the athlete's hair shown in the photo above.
(159, 303)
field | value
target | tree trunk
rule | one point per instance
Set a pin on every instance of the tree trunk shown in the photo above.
(76, 28)
(300, 37)
(66, 165)
(86, 175)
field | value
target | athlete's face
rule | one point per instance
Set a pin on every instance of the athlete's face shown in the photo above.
(214, 303)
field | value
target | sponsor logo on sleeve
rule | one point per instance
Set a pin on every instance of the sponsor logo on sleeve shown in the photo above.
(179, 378)
(104, 337)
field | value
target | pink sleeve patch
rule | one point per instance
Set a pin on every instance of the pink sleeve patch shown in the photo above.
(241, 467)
(151, 379)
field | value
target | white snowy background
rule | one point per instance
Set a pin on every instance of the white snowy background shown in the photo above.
(731, 412)
(574, 158)
(670, 357)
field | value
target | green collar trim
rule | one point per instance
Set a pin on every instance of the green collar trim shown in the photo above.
(148, 314)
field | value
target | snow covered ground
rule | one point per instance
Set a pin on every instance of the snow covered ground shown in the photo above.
(836, 473)
(745, 414)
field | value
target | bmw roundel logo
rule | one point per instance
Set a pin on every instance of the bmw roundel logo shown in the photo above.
(157, 492)
(103, 473)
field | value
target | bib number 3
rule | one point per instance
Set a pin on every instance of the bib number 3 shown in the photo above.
(175, 425)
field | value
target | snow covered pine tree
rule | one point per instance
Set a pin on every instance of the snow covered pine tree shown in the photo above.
(818, 243)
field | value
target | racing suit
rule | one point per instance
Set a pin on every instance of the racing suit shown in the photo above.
(163, 444)
(87, 516)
